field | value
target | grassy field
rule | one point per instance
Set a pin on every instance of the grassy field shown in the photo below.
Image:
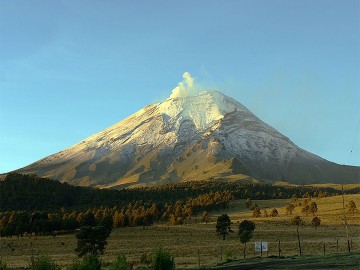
(329, 261)
(196, 241)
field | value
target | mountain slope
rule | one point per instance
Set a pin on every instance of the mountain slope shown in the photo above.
(205, 136)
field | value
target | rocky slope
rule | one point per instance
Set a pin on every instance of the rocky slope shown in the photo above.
(199, 137)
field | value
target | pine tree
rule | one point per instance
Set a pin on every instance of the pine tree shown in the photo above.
(223, 225)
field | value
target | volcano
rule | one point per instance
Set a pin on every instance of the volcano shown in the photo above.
(200, 137)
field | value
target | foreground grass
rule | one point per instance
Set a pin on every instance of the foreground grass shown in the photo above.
(332, 261)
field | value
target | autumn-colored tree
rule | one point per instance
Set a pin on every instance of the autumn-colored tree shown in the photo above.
(290, 208)
(256, 213)
(172, 220)
(205, 217)
(274, 212)
(313, 208)
(305, 209)
(352, 207)
(316, 222)
(296, 220)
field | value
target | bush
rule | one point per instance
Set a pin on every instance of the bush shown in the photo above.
(44, 263)
(90, 262)
(163, 260)
(274, 212)
(316, 222)
(3, 265)
(257, 213)
(120, 263)
(145, 259)
(296, 220)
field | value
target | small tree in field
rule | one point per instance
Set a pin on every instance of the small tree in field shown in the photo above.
(246, 230)
(256, 213)
(274, 213)
(290, 208)
(352, 207)
(43, 263)
(205, 217)
(91, 240)
(223, 225)
(163, 260)
(313, 208)
(305, 209)
(296, 220)
(316, 222)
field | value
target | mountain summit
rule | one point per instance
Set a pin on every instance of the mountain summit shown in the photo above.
(205, 136)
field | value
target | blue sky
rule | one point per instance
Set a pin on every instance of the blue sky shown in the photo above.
(69, 69)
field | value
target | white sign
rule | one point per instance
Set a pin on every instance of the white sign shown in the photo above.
(261, 246)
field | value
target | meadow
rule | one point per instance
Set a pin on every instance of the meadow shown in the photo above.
(197, 243)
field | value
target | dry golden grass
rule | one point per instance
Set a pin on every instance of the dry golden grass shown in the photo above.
(187, 241)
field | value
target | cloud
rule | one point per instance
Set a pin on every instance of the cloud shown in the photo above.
(188, 87)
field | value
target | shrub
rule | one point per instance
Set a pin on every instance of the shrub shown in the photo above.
(120, 263)
(316, 222)
(352, 207)
(256, 213)
(163, 260)
(90, 262)
(296, 220)
(3, 265)
(44, 263)
(274, 212)
(145, 259)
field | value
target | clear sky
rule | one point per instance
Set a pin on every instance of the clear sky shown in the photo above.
(70, 68)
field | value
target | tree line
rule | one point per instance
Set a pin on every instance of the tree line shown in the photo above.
(31, 204)
(30, 192)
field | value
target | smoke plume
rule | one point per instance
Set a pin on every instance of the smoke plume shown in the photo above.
(187, 87)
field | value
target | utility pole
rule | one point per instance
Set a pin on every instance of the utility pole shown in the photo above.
(345, 219)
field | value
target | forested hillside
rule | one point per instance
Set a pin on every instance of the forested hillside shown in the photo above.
(30, 192)
(38, 205)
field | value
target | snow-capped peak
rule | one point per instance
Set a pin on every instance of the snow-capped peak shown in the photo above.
(203, 109)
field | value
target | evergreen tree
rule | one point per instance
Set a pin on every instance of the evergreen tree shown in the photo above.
(246, 230)
(91, 240)
(223, 225)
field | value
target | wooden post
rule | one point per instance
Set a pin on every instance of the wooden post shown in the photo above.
(198, 252)
(324, 248)
(279, 249)
(261, 249)
(298, 236)
(337, 245)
